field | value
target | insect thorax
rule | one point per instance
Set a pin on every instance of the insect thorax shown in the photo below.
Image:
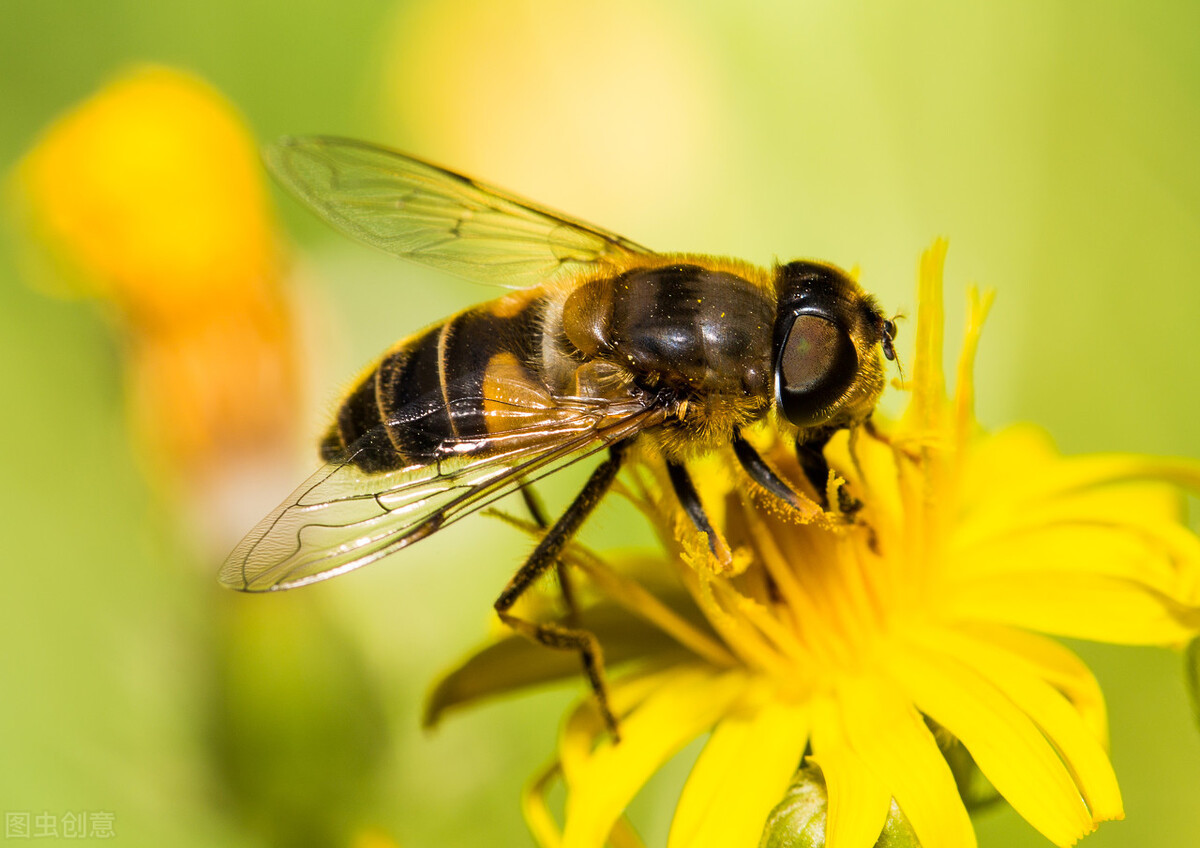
(681, 328)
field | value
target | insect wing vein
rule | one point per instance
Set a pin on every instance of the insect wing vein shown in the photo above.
(342, 518)
(424, 213)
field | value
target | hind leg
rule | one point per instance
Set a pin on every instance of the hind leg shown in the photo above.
(545, 555)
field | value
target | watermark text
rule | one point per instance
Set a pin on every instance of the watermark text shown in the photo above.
(73, 824)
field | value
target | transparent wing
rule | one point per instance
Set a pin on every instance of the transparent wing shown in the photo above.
(422, 212)
(343, 518)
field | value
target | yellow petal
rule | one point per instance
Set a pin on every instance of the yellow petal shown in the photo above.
(1050, 710)
(1125, 503)
(1006, 745)
(584, 725)
(928, 378)
(603, 784)
(536, 810)
(1054, 663)
(741, 775)
(1080, 606)
(858, 800)
(1032, 478)
(1087, 550)
(964, 382)
(891, 738)
(624, 836)
(372, 838)
(997, 467)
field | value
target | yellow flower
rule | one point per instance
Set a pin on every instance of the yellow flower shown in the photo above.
(857, 646)
(152, 190)
(149, 196)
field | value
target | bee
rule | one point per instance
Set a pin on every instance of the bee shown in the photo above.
(603, 343)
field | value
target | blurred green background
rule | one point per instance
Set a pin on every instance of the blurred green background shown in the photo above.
(1054, 143)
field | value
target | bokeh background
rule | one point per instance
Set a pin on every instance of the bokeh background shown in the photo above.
(1054, 143)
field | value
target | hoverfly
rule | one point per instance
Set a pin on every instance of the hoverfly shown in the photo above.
(604, 343)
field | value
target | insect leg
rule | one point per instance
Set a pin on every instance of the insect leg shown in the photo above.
(568, 523)
(533, 503)
(765, 476)
(572, 639)
(537, 511)
(689, 499)
(545, 555)
(811, 456)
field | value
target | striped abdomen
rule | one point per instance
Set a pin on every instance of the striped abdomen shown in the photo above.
(431, 389)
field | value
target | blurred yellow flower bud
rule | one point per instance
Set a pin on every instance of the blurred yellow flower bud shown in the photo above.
(149, 196)
(151, 190)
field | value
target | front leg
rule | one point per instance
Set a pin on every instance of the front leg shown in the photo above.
(689, 499)
(810, 453)
(764, 475)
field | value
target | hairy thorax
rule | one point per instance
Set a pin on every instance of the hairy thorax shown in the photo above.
(696, 338)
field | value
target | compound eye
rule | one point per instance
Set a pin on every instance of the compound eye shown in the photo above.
(817, 363)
